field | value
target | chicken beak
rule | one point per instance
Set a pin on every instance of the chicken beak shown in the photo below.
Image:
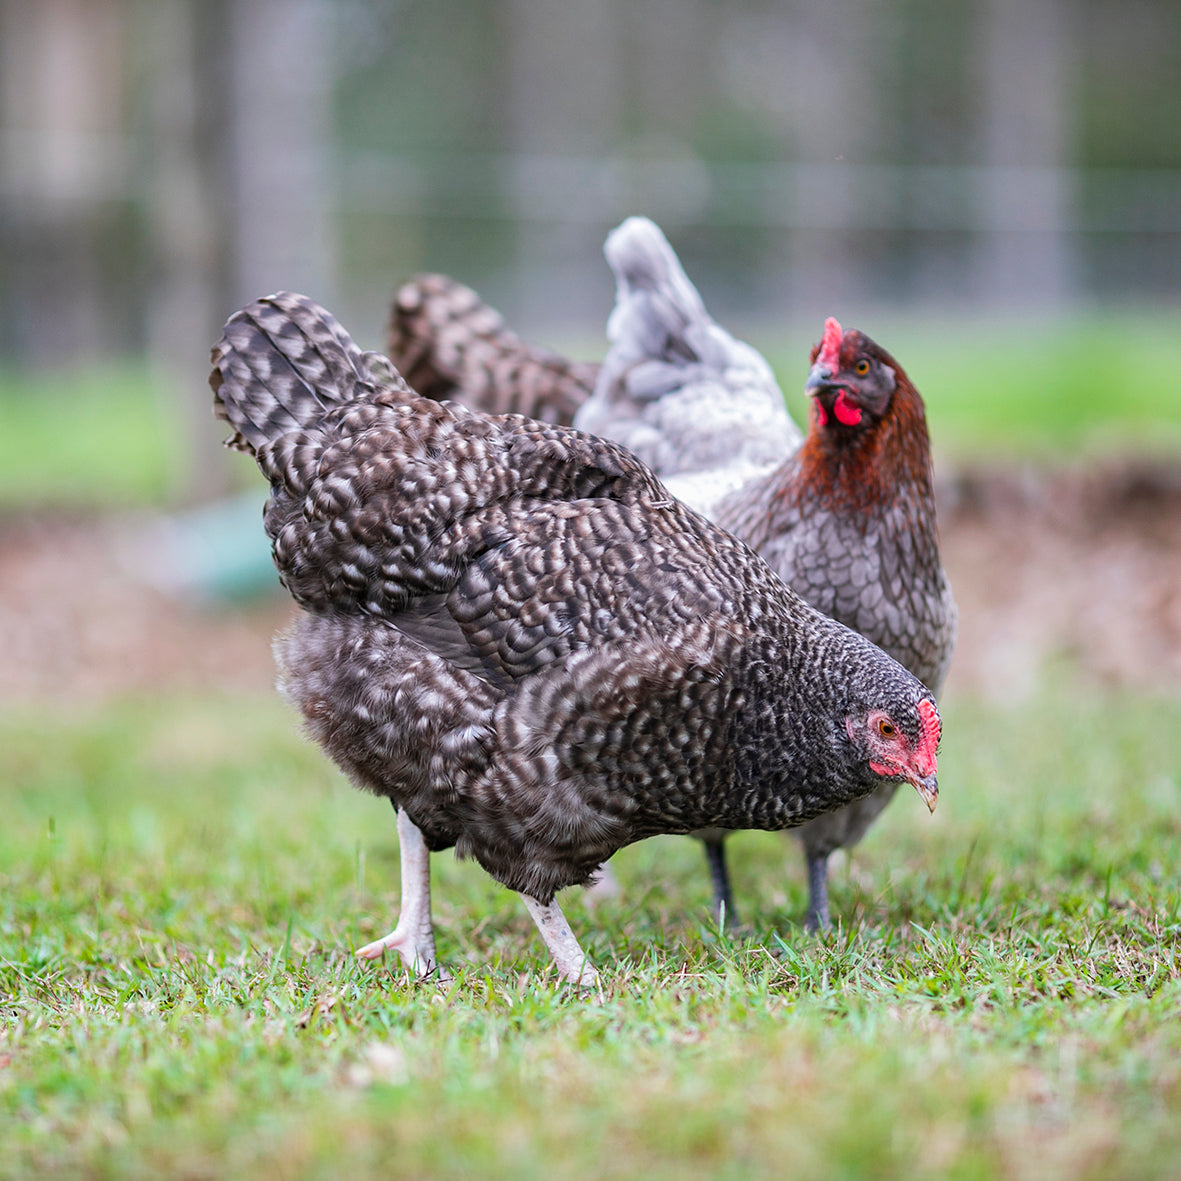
(820, 377)
(926, 786)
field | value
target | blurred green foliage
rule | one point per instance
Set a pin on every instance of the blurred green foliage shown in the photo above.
(1103, 385)
(93, 438)
(1053, 391)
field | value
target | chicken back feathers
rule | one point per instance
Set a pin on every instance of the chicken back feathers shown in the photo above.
(515, 634)
(448, 343)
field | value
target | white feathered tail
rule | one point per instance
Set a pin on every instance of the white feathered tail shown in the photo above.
(676, 387)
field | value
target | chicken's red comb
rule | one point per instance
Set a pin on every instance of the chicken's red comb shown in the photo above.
(930, 728)
(830, 345)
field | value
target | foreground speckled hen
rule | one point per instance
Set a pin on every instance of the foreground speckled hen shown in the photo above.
(846, 516)
(513, 632)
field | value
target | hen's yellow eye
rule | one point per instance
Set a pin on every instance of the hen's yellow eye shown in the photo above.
(861, 368)
(886, 729)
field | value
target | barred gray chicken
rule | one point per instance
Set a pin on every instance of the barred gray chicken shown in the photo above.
(847, 520)
(515, 634)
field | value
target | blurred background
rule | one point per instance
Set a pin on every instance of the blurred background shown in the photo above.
(992, 188)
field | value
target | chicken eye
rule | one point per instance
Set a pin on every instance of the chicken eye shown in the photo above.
(861, 368)
(886, 729)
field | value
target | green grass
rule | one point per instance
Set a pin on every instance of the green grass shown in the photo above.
(1104, 384)
(182, 881)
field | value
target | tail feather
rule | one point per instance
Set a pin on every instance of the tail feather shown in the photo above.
(280, 364)
(675, 386)
(658, 311)
(431, 319)
(642, 260)
(449, 344)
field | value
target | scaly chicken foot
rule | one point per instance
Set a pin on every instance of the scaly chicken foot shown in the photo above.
(414, 936)
(569, 958)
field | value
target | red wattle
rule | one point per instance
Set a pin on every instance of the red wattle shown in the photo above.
(845, 411)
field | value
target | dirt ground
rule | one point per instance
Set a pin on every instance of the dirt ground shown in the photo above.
(1082, 568)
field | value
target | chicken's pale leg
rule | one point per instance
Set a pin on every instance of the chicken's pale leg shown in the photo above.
(570, 959)
(817, 919)
(414, 936)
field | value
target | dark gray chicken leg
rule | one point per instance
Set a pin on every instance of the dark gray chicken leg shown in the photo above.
(715, 855)
(817, 919)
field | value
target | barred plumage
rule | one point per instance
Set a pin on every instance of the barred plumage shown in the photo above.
(448, 343)
(514, 633)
